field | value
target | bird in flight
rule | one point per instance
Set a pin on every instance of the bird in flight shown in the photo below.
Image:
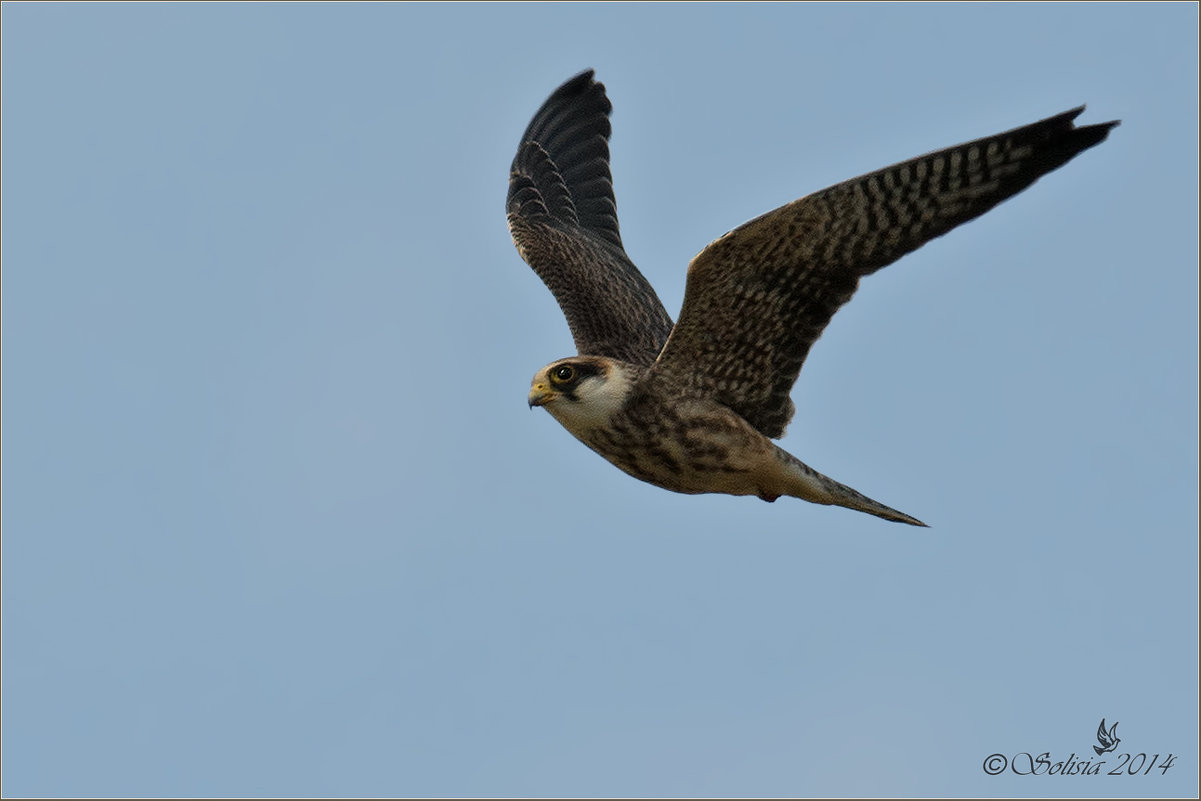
(1108, 739)
(693, 406)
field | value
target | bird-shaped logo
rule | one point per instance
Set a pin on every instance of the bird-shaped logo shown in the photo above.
(1108, 739)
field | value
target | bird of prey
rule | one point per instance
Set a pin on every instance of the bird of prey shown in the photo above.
(693, 407)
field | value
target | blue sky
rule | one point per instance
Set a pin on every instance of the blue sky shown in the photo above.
(277, 520)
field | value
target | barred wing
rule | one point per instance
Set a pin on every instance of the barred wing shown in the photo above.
(563, 218)
(759, 297)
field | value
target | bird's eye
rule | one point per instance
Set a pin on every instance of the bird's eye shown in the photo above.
(563, 373)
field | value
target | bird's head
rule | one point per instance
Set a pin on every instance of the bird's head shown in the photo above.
(581, 392)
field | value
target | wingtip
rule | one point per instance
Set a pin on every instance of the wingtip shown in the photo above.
(1105, 127)
(1078, 110)
(578, 82)
(1071, 114)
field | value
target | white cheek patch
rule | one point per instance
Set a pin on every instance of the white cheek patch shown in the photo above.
(596, 399)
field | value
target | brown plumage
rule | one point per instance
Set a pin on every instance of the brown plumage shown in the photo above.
(685, 407)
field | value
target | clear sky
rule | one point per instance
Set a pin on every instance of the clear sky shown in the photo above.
(276, 518)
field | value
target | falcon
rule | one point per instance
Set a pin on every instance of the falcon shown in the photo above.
(693, 407)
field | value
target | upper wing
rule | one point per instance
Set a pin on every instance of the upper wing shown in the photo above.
(563, 219)
(760, 296)
(1106, 738)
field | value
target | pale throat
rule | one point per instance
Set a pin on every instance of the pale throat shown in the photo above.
(597, 400)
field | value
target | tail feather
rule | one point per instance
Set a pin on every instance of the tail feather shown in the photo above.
(814, 487)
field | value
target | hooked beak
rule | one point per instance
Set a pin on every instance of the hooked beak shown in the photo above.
(540, 395)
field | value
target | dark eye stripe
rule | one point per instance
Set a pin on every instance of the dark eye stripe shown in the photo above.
(575, 373)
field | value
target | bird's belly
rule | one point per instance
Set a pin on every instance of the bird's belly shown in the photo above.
(706, 453)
